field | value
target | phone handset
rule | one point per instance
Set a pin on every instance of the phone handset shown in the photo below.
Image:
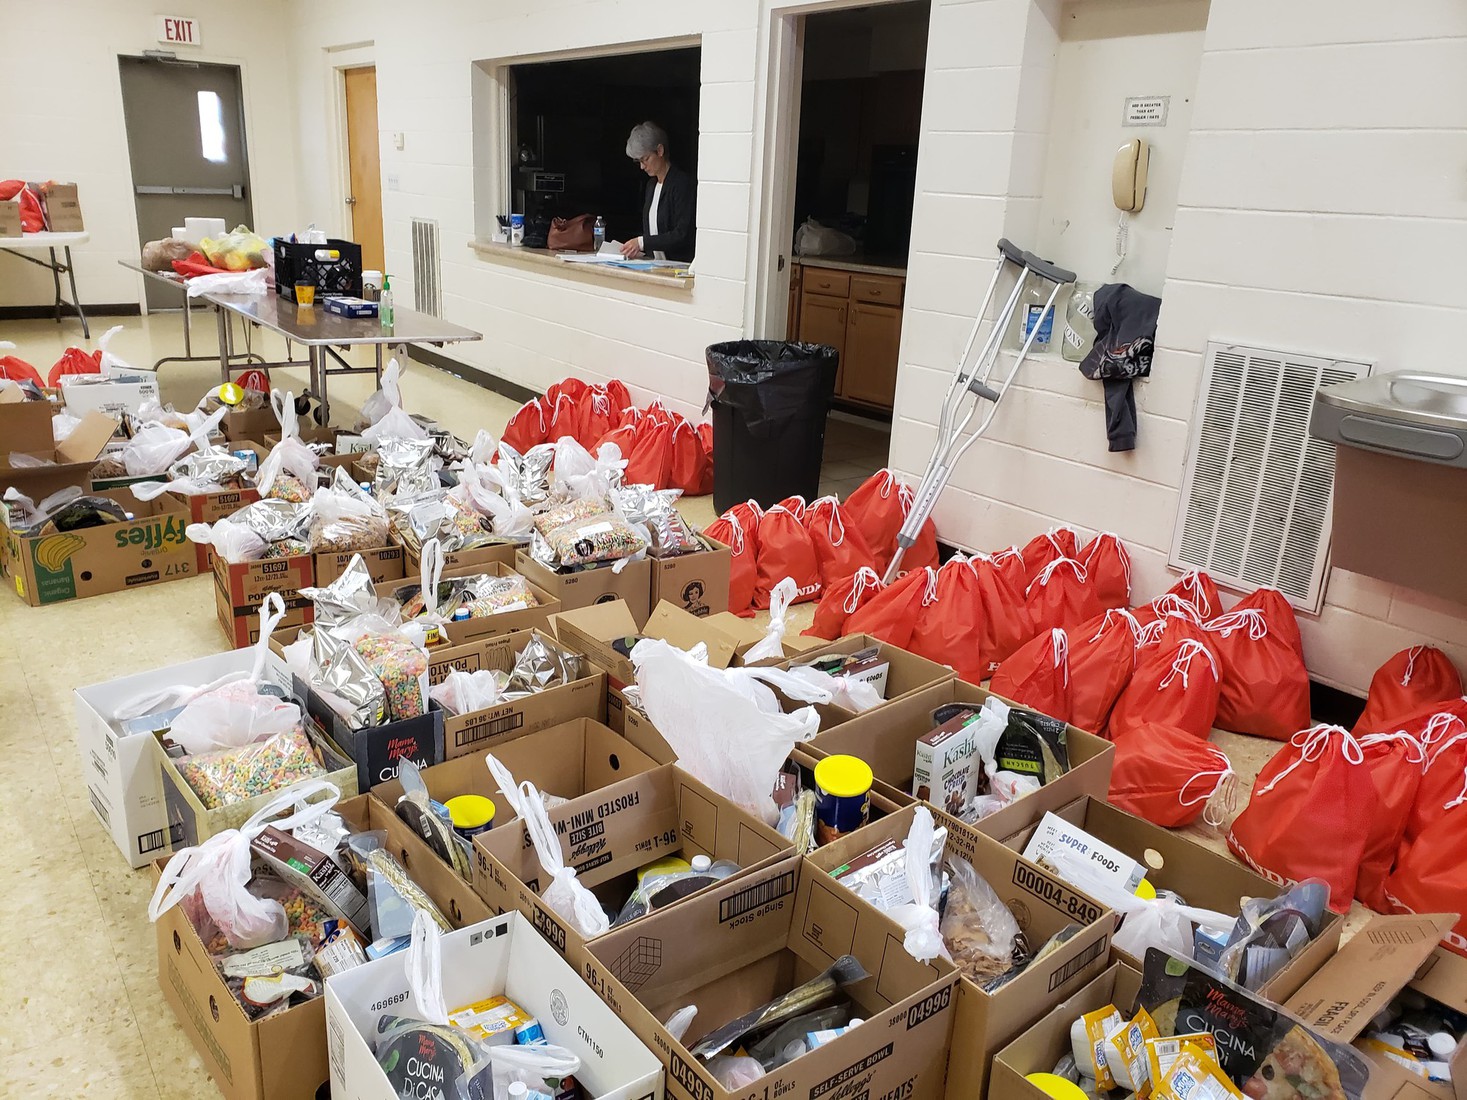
(1128, 188)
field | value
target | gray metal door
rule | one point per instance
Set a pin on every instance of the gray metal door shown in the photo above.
(186, 142)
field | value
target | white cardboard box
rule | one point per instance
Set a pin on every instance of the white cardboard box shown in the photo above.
(114, 396)
(500, 956)
(122, 777)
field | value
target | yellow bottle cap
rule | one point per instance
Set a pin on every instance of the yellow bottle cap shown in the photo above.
(671, 865)
(1052, 1084)
(1145, 891)
(470, 811)
(843, 776)
(230, 394)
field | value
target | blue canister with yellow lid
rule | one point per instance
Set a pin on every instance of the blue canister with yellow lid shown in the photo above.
(842, 796)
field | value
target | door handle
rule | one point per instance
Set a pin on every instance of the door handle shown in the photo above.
(235, 191)
(351, 200)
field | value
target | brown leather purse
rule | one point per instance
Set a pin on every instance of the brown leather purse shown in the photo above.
(572, 234)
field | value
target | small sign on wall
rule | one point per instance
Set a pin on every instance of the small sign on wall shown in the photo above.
(1146, 110)
(176, 31)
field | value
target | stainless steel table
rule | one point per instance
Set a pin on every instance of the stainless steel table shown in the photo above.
(322, 333)
(177, 282)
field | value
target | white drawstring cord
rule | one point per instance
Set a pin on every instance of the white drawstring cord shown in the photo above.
(736, 529)
(863, 578)
(1415, 751)
(929, 593)
(1060, 642)
(1182, 664)
(1311, 744)
(1192, 581)
(1136, 628)
(1234, 621)
(1411, 655)
(1226, 786)
(1048, 571)
(1437, 726)
(1169, 603)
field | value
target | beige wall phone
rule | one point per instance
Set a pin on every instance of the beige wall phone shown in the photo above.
(1128, 188)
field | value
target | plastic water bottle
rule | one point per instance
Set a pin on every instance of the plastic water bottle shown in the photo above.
(384, 306)
(598, 234)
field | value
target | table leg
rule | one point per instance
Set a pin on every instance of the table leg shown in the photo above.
(75, 300)
(56, 279)
(379, 366)
(188, 336)
(222, 315)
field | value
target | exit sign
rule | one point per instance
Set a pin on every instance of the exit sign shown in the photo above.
(179, 32)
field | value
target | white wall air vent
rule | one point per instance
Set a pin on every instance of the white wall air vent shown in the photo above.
(1256, 494)
(427, 268)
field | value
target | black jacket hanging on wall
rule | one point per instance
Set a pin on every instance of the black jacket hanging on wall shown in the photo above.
(1125, 336)
(676, 216)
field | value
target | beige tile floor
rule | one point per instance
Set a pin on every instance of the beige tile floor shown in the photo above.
(77, 955)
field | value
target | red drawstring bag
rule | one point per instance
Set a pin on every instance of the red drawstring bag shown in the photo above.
(1414, 678)
(1173, 685)
(565, 416)
(74, 361)
(1061, 596)
(1446, 757)
(17, 369)
(624, 435)
(839, 547)
(1108, 566)
(1265, 686)
(742, 571)
(705, 437)
(621, 399)
(599, 415)
(1170, 778)
(528, 427)
(1004, 623)
(650, 460)
(784, 551)
(878, 509)
(1010, 563)
(1056, 543)
(795, 504)
(1196, 589)
(689, 468)
(891, 614)
(841, 600)
(1428, 876)
(32, 218)
(1396, 762)
(949, 624)
(1102, 660)
(1310, 813)
(1038, 675)
(659, 413)
(1178, 621)
(748, 513)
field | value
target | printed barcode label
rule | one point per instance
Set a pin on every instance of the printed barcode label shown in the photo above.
(492, 728)
(746, 901)
(1077, 964)
(153, 841)
(100, 807)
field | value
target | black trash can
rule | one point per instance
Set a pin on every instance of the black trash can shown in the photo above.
(770, 399)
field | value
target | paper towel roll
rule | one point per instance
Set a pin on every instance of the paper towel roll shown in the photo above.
(196, 229)
(180, 233)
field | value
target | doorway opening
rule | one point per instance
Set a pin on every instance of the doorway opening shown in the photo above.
(186, 146)
(364, 164)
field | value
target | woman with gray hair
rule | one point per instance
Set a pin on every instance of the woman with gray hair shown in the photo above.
(669, 205)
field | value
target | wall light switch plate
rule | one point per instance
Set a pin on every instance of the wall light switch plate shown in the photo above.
(399, 140)
(393, 183)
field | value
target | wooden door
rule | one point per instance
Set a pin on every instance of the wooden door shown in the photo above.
(873, 339)
(792, 318)
(365, 169)
(823, 321)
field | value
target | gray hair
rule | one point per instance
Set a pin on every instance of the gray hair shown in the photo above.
(644, 139)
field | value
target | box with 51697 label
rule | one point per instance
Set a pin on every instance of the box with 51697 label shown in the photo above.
(55, 566)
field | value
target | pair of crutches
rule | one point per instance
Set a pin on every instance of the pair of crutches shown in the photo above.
(970, 389)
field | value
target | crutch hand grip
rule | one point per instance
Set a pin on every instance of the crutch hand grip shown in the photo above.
(1046, 270)
(1012, 252)
(988, 393)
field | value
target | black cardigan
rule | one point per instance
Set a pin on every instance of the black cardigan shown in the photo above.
(676, 216)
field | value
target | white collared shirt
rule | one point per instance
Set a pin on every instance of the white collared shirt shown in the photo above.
(652, 218)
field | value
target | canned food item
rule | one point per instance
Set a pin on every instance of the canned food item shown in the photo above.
(471, 814)
(842, 796)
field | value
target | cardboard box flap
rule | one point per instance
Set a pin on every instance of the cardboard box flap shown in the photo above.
(674, 625)
(602, 622)
(11, 395)
(87, 439)
(25, 425)
(1341, 999)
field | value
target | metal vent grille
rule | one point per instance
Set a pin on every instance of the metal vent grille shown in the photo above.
(1255, 505)
(427, 268)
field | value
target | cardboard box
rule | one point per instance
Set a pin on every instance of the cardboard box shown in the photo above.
(488, 626)
(240, 588)
(747, 633)
(592, 630)
(282, 1057)
(121, 772)
(375, 751)
(1043, 1044)
(150, 550)
(1207, 879)
(249, 424)
(112, 395)
(886, 739)
(25, 426)
(10, 225)
(569, 760)
(385, 563)
(476, 560)
(479, 730)
(606, 836)
(1043, 905)
(910, 679)
(502, 956)
(212, 507)
(697, 583)
(633, 585)
(736, 946)
(61, 206)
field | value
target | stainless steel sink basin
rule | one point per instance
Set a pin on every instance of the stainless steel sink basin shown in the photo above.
(1407, 413)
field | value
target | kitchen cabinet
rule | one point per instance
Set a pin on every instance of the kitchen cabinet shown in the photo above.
(860, 315)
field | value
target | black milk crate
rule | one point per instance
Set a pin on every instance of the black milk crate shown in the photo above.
(295, 263)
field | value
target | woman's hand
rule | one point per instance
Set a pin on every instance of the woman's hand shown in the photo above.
(632, 249)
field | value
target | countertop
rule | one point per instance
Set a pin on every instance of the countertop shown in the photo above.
(866, 265)
(545, 259)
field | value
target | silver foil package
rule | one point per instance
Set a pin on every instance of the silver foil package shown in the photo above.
(274, 520)
(527, 476)
(657, 510)
(348, 596)
(542, 664)
(341, 673)
(211, 466)
(405, 467)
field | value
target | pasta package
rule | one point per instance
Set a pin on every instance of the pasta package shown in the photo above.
(233, 775)
(399, 665)
(603, 537)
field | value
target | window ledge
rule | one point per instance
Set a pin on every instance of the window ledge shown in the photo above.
(544, 260)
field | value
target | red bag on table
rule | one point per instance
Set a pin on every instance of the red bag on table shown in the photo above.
(785, 550)
(1038, 675)
(1310, 812)
(689, 468)
(1102, 660)
(32, 217)
(1414, 678)
(17, 369)
(1170, 778)
(1396, 762)
(742, 570)
(1265, 686)
(74, 361)
(1196, 589)
(948, 626)
(650, 459)
(839, 547)
(1010, 563)
(1061, 596)
(1057, 542)
(841, 600)
(1004, 622)
(197, 264)
(892, 614)
(1108, 565)
(1173, 685)
(879, 508)
(528, 427)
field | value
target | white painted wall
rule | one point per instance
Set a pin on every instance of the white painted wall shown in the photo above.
(63, 120)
